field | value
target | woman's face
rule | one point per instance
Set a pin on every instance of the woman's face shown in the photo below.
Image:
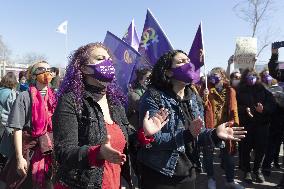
(251, 78)
(179, 60)
(41, 73)
(97, 55)
(23, 80)
(53, 74)
(182, 70)
(237, 76)
(216, 79)
(145, 79)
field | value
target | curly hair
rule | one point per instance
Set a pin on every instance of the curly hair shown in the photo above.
(158, 78)
(221, 72)
(73, 80)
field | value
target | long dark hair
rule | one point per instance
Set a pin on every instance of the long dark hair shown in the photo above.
(139, 76)
(22, 74)
(159, 79)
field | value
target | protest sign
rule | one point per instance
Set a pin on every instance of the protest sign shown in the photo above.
(245, 54)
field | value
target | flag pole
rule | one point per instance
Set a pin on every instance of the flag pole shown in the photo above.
(205, 71)
(66, 48)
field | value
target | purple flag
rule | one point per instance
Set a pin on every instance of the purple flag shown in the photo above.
(131, 37)
(154, 42)
(124, 58)
(196, 53)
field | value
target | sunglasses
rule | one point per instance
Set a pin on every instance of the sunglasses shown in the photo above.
(41, 70)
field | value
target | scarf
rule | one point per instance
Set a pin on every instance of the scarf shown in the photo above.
(219, 102)
(42, 111)
(230, 113)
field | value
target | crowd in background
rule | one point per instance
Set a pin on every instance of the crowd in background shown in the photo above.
(81, 131)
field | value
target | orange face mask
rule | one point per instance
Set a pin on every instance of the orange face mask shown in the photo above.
(44, 78)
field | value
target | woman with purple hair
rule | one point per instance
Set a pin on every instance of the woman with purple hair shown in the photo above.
(91, 131)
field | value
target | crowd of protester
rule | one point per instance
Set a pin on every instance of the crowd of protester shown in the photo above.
(82, 131)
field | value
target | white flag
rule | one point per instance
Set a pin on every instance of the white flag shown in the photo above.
(62, 28)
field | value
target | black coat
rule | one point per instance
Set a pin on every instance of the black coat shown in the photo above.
(249, 96)
(75, 131)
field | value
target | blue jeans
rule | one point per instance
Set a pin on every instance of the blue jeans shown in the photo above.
(226, 158)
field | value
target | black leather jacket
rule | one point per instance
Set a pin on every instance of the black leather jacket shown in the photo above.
(75, 131)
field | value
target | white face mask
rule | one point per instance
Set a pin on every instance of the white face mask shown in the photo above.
(235, 82)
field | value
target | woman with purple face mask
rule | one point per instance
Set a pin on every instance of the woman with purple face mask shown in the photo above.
(266, 79)
(255, 105)
(221, 107)
(91, 131)
(166, 155)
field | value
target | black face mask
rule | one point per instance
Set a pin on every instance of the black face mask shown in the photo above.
(95, 89)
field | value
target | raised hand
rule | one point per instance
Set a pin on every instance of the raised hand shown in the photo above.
(110, 154)
(231, 59)
(156, 123)
(230, 133)
(274, 51)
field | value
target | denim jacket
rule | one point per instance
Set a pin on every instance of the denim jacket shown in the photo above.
(162, 154)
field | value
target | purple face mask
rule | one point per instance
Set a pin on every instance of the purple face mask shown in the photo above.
(214, 79)
(267, 79)
(251, 80)
(185, 73)
(104, 71)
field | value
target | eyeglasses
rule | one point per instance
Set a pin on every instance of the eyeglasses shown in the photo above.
(40, 70)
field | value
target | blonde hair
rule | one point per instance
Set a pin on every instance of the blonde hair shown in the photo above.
(221, 71)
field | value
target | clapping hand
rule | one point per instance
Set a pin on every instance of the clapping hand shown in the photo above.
(195, 127)
(155, 123)
(107, 152)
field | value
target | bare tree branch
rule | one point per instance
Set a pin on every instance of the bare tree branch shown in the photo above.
(255, 12)
(5, 52)
(32, 57)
